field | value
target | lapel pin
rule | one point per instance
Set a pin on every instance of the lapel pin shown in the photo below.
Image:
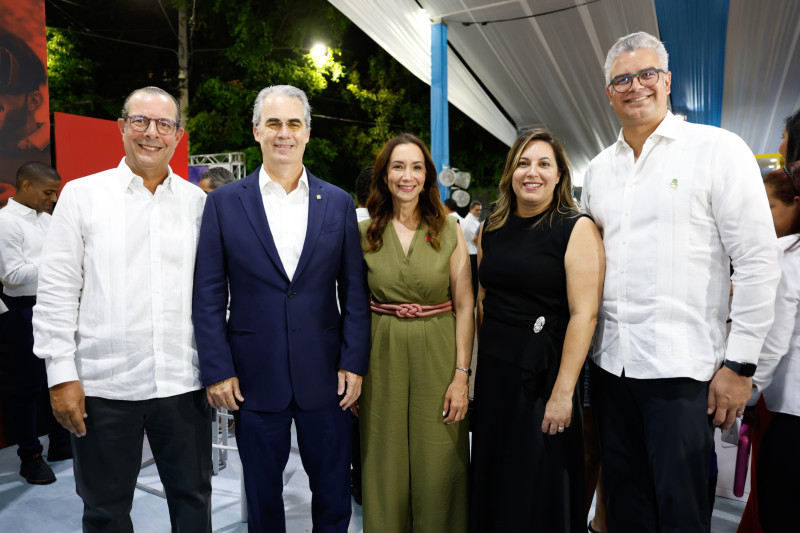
(319, 197)
(673, 184)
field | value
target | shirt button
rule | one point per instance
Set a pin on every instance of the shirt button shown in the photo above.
(626, 213)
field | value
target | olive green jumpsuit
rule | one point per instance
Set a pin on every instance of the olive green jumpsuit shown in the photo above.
(415, 467)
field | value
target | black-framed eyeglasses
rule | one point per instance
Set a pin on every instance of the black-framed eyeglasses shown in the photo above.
(647, 78)
(164, 126)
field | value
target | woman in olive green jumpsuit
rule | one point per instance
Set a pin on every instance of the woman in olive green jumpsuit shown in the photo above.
(414, 439)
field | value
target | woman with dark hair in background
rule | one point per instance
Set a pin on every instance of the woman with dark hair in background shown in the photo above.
(790, 139)
(778, 373)
(414, 445)
(759, 418)
(541, 267)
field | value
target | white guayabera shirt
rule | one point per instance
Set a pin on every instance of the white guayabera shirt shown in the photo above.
(670, 221)
(22, 232)
(778, 370)
(115, 287)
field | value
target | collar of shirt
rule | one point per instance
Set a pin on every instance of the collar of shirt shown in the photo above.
(668, 128)
(265, 183)
(22, 211)
(126, 178)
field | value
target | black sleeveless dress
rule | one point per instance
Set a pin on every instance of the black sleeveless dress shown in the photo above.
(524, 480)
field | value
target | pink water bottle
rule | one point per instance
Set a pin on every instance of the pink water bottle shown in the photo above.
(742, 460)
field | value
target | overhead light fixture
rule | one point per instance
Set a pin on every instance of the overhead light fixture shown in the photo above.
(319, 54)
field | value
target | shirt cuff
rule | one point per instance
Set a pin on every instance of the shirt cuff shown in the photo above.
(61, 370)
(743, 349)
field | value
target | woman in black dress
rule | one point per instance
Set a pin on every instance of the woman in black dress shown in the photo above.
(541, 268)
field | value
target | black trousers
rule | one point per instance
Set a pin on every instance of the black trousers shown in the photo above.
(778, 474)
(24, 379)
(655, 441)
(108, 458)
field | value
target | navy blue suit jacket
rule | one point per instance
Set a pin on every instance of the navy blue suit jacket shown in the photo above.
(283, 337)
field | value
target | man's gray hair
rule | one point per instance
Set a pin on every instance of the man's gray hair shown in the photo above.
(285, 90)
(474, 203)
(158, 91)
(636, 41)
(217, 177)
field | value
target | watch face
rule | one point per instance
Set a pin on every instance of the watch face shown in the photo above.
(746, 370)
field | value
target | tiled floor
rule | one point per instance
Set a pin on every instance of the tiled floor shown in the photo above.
(56, 508)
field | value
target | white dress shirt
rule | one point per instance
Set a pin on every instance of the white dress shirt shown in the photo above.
(115, 287)
(362, 213)
(670, 221)
(778, 373)
(22, 232)
(470, 227)
(456, 216)
(287, 215)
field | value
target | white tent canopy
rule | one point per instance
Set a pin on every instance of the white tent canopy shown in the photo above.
(548, 70)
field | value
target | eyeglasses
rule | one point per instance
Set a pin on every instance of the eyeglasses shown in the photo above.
(276, 125)
(647, 78)
(164, 126)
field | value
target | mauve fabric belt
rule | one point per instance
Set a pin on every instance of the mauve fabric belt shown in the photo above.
(412, 310)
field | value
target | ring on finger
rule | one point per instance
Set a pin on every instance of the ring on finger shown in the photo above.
(739, 413)
(561, 429)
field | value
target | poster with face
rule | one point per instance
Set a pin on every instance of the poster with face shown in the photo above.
(24, 109)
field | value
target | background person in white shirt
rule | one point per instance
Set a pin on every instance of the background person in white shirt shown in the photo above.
(363, 182)
(451, 207)
(113, 323)
(673, 201)
(778, 375)
(472, 227)
(23, 225)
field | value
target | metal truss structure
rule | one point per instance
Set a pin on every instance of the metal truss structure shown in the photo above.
(233, 161)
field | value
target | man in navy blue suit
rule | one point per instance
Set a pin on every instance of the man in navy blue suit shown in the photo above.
(284, 244)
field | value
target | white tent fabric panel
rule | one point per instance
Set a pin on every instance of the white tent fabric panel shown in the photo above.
(762, 70)
(548, 70)
(402, 29)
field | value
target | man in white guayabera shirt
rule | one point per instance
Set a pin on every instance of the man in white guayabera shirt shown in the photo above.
(113, 324)
(673, 201)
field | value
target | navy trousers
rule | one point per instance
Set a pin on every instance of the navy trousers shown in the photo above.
(324, 438)
(655, 443)
(24, 380)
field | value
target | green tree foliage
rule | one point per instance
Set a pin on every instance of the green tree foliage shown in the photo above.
(71, 75)
(360, 96)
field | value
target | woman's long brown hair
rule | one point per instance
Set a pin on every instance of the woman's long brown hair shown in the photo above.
(379, 203)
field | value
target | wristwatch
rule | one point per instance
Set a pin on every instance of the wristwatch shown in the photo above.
(467, 370)
(743, 369)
